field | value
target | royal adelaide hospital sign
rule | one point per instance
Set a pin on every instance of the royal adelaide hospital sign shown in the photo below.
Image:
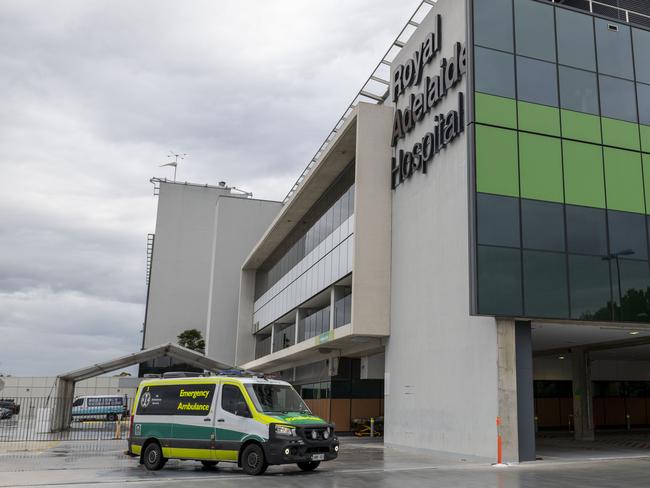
(421, 106)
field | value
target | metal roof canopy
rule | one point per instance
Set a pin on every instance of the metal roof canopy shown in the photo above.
(65, 383)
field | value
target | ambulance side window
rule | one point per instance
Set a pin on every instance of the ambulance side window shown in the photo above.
(78, 402)
(232, 400)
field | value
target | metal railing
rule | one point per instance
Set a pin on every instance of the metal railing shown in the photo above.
(263, 347)
(608, 9)
(375, 88)
(30, 420)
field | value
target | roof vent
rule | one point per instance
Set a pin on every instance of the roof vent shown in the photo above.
(612, 27)
(222, 184)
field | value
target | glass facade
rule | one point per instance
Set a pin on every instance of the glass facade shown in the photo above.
(285, 336)
(314, 323)
(562, 163)
(343, 310)
(334, 208)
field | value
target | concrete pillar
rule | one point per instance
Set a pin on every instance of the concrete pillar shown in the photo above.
(61, 415)
(583, 417)
(516, 403)
(507, 385)
(299, 315)
(332, 303)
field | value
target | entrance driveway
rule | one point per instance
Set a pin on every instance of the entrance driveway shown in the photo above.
(362, 463)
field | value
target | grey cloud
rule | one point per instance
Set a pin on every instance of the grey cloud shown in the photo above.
(94, 96)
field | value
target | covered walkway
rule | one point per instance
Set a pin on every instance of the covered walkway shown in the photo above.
(65, 383)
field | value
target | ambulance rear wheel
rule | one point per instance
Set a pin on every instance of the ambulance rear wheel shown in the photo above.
(153, 458)
(253, 461)
(309, 465)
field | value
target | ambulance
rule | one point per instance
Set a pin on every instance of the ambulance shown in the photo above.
(245, 419)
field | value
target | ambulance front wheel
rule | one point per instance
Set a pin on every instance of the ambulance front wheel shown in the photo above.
(153, 458)
(253, 461)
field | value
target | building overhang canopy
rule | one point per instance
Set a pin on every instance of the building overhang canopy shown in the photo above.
(339, 153)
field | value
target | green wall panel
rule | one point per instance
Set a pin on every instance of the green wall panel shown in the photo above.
(493, 110)
(539, 118)
(624, 180)
(496, 161)
(645, 138)
(540, 163)
(583, 127)
(620, 134)
(584, 181)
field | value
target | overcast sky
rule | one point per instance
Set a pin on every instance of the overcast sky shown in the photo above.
(95, 93)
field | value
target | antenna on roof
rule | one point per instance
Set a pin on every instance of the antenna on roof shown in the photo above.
(174, 163)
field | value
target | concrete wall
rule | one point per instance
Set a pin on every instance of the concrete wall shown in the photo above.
(372, 209)
(182, 258)
(245, 342)
(441, 363)
(203, 235)
(373, 367)
(239, 224)
(42, 387)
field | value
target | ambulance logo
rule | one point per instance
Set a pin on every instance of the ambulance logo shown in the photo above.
(145, 401)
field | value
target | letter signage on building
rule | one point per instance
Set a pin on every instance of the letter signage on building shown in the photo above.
(444, 128)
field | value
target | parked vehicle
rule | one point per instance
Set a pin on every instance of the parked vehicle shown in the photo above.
(246, 419)
(11, 405)
(100, 407)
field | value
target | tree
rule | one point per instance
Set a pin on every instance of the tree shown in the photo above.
(192, 339)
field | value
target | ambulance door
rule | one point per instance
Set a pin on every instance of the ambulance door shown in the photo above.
(234, 421)
(193, 421)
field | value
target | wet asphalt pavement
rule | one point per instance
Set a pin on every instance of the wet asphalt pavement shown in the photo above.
(361, 464)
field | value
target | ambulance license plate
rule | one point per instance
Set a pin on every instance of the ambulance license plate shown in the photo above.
(318, 457)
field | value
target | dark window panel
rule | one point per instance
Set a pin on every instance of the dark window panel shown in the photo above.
(617, 99)
(542, 225)
(494, 72)
(493, 24)
(498, 220)
(641, 40)
(627, 235)
(545, 284)
(586, 230)
(614, 45)
(537, 81)
(499, 281)
(535, 29)
(578, 90)
(590, 288)
(631, 290)
(575, 38)
(643, 94)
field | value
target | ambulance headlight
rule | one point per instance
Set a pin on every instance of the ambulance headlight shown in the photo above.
(326, 434)
(285, 430)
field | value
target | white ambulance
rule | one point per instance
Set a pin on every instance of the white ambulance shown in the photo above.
(247, 419)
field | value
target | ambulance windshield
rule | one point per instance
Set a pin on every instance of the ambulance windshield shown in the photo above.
(273, 398)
